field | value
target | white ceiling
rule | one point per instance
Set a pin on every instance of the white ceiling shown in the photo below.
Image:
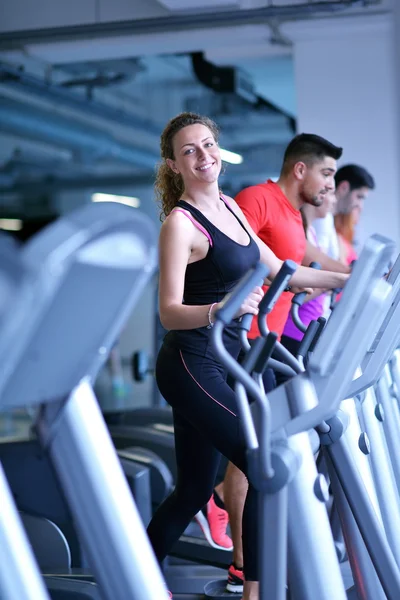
(159, 76)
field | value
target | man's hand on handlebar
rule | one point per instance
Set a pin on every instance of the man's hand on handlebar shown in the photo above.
(299, 290)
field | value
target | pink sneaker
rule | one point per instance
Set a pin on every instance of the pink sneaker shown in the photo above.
(235, 580)
(213, 522)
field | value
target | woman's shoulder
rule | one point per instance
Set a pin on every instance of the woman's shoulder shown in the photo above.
(231, 203)
(178, 222)
(178, 217)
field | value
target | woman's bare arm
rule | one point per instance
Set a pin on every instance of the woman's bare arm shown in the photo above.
(175, 247)
(314, 254)
(176, 243)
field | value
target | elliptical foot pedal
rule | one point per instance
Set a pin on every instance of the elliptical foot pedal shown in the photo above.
(217, 589)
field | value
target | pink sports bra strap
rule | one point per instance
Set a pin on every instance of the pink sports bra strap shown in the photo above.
(227, 203)
(196, 224)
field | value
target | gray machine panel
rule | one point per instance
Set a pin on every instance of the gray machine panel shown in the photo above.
(72, 305)
(349, 333)
(385, 342)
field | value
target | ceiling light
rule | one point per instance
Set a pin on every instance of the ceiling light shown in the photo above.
(231, 157)
(128, 200)
(11, 224)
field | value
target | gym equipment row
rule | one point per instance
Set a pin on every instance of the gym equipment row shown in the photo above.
(67, 294)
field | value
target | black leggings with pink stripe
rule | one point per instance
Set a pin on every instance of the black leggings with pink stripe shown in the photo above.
(206, 426)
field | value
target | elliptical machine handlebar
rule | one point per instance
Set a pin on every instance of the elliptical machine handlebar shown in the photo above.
(225, 315)
(301, 296)
(289, 365)
(272, 294)
(243, 329)
(308, 338)
(222, 318)
(232, 302)
(278, 285)
(298, 300)
(264, 356)
(334, 294)
(244, 326)
(267, 303)
(321, 324)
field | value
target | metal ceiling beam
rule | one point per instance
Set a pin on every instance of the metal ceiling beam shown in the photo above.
(48, 185)
(38, 124)
(182, 22)
(17, 79)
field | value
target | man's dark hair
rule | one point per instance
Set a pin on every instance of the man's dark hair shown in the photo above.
(309, 148)
(357, 177)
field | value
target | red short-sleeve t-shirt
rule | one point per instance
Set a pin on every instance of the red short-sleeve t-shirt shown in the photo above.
(280, 227)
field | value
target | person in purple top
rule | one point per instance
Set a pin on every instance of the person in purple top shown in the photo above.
(315, 307)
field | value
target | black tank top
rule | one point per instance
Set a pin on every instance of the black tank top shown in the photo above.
(208, 280)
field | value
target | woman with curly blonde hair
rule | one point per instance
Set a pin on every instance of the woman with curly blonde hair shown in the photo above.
(206, 246)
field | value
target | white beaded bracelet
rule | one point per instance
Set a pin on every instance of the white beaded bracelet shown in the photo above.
(210, 323)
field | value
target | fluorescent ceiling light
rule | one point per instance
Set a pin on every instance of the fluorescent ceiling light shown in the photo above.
(11, 224)
(231, 157)
(128, 200)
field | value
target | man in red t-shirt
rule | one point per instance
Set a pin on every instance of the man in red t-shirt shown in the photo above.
(273, 212)
(279, 224)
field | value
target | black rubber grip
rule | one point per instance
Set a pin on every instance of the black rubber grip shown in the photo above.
(301, 296)
(334, 294)
(245, 322)
(308, 338)
(321, 325)
(277, 286)
(244, 326)
(251, 357)
(233, 301)
(266, 352)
